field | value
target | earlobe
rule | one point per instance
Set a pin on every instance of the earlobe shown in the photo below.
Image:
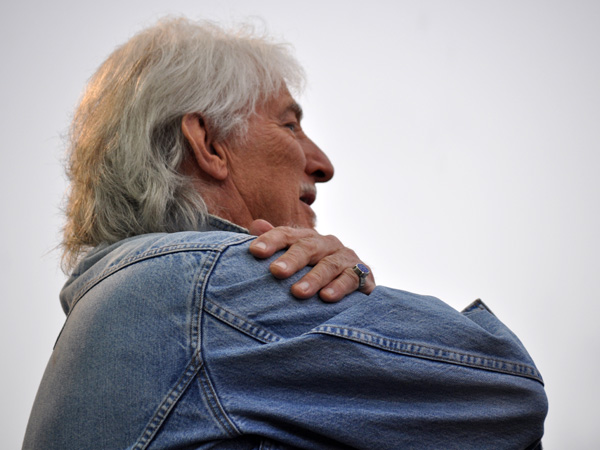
(211, 159)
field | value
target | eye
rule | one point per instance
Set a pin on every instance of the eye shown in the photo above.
(291, 126)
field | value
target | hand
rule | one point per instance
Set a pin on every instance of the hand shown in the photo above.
(332, 275)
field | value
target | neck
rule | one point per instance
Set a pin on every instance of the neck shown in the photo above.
(222, 199)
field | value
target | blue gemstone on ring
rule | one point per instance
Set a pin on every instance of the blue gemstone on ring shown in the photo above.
(362, 272)
(363, 268)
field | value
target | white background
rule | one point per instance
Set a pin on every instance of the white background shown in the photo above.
(465, 136)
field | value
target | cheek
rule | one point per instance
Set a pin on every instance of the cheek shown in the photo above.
(287, 152)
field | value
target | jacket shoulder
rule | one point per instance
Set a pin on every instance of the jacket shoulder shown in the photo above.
(106, 260)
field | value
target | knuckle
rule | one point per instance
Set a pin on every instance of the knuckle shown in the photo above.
(295, 235)
(287, 232)
(273, 236)
(295, 259)
(316, 278)
(309, 244)
(350, 274)
(330, 265)
(350, 254)
(349, 257)
(333, 241)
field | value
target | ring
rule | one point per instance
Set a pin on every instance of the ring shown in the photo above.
(362, 271)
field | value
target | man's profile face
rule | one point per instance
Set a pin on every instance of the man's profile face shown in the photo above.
(276, 167)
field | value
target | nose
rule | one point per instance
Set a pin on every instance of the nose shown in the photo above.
(318, 165)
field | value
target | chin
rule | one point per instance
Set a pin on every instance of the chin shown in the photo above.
(303, 217)
(306, 217)
(301, 222)
(308, 222)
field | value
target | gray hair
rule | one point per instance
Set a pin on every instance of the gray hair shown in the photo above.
(126, 143)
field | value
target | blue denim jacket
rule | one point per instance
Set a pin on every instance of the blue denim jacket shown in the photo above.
(186, 341)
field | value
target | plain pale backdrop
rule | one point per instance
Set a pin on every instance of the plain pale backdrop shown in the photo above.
(465, 136)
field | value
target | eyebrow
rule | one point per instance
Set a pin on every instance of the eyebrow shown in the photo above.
(296, 109)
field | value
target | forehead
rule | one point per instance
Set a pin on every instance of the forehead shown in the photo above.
(280, 105)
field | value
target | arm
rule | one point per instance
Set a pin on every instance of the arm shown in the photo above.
(331, 276)
(397, 371)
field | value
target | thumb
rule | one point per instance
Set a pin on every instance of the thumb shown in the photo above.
(259, 226)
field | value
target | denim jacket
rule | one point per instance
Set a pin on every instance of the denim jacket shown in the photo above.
(186, 341)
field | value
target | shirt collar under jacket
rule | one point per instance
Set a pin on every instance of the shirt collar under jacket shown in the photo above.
(214, 223)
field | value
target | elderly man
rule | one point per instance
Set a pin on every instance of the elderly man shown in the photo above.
(177, 336)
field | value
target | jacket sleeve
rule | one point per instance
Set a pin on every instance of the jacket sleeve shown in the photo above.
(387, 371)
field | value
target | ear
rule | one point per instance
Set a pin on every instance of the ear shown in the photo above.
(210, 158)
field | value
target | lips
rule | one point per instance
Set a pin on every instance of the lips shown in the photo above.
(309, 194)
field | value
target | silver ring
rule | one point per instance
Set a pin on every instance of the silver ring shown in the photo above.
(362, 271)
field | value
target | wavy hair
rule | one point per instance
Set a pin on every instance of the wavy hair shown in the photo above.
(126, 144)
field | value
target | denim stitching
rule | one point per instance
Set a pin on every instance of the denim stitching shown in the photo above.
(167, 404)
(241, 324)
(206, 383)
(201, 282)
(215, 405)
(476, 305)
(153, 253)
(431, 353)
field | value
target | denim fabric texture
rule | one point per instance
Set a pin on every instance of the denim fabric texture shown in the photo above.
(186, 341)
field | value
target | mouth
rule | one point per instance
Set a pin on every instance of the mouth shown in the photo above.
(309, 194)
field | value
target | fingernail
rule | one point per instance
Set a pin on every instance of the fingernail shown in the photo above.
(280, 264)
(328, 292)
(260, 245)
(303, 286)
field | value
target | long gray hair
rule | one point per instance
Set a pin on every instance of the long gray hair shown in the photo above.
(126, 143)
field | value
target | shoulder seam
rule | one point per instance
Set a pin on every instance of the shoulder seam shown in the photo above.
(241, 324)
(168, 403)
(154, 253)
(429, 352)
(149, 254)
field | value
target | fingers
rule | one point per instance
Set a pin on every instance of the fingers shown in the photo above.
(259, 226)
(344, 284)
(333, 280)
(323, 252)
(280, 238)
(332, 275)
